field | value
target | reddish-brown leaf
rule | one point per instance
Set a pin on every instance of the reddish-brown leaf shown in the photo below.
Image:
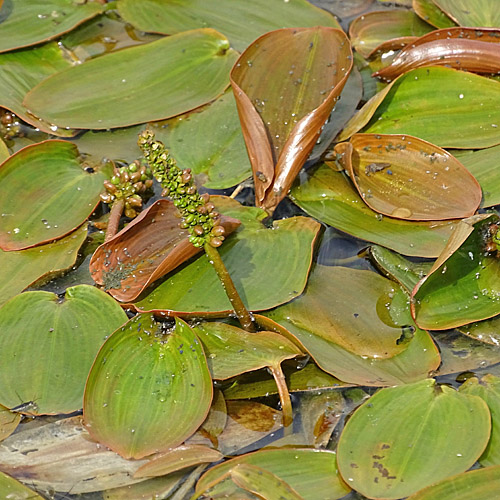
(469, 49)
(150, 246)
(286, 84)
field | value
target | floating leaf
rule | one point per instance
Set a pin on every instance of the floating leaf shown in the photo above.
(176, 459)
(413, 357)
(468, 105)
(149, 247)
(476, 13)
(161, 398)
(385, 30)
(262, 482)
(114, 84)
(61, 456)
(479, 484)
(4, 151)
(399, 426)
(49, 192)
(483, 165)
(467, 49)
(488, 389)
(53, 380)
(161, 487)
(485, 331)
(217, 157)
(11, 488)
(40, 262)
(462, 287)
(21, 71)
(432, 14)
(226, 16)
(232, 351)
(311, 473)
(282, 116)
(408, 178)
(330, 197)
(9, 421)
(28, 22)
(254, 257)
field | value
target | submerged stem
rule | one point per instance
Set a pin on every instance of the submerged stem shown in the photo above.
(286, 403)
(114, 218)
(233, 295)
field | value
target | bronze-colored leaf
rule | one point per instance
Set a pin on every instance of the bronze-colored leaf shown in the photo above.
(151, 246)
(468, 49)
(286, 84)
(408, 178)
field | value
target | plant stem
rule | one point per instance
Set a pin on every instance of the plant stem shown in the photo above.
(286, 403)
(114, 218)
(239, 308)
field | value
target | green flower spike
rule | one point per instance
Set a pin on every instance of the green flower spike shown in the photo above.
(198, 215)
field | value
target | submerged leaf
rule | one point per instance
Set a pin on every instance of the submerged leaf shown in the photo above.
(189, 69)
(54, 379)
(161, 398)
(49, 192)
(282, 116)
(467, 49)
(149, 247)
(408, 178)
(404, 425)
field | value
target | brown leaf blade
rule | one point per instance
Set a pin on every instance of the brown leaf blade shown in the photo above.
(151, 246)
(408, 178)
(281, 116)
(467, 49)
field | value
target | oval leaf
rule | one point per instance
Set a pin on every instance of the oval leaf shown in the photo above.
(407, 178)
(432, 14)
(311, 473)
(149, 247)
(148, 390)
(330, 197)
(49, 192)
(479, 484)
(282, 116)
(467, 104)
(11, 488)
(27, 22)
(328, 332)
(114, 83)
(226, 16)
(253, 255)
(471, 13)
(400, 426)
(67, 333)
(467, 49)
(9, 420)
(232, 351)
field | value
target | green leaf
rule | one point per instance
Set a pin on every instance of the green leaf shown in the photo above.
(488, 389)
(487, 331)
(258, 259)
(394, 444)
(11, 488)
(9, 421)
(330, 197)
(468, 105)
(232, 351)
(149, 389)
(413, 357)
(463, 285)
(28, 22)
(385, 30)
(48, 193)
(429, 12)
(152, 81)
(479, 484)
(41, 262)
(226, 16)
(4, 151)
(311, 473)
(217, 156)
(483, 165)
(67, 334)
(21, 71)
(471, 12)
